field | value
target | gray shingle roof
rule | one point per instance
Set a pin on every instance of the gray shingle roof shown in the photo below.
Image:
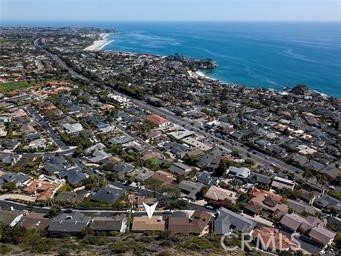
(123, 168)
(108, 223)
(108, 194)
(228, 220)
(17, 178)
(73, 176)
(180, 168)
(69, 223)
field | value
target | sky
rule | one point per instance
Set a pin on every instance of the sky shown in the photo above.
(170, 10)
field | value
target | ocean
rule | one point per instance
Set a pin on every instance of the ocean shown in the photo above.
(267, 55)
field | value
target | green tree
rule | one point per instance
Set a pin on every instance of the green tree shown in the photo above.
(152, 164)
(9, 186)
(54, 210)
(94, 182)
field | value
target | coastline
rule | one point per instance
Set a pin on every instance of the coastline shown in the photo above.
(203, 75)
(98, 45)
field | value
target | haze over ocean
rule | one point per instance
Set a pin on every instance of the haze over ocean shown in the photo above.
(269, 55)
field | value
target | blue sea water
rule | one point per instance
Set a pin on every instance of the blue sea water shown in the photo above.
(269, 55)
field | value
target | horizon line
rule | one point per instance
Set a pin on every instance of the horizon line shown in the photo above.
(165, 21)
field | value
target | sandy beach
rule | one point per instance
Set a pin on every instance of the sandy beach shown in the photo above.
(98, 44)
(201, 74)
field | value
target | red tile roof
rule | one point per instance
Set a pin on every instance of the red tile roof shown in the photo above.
(273, 239)
(155, 119)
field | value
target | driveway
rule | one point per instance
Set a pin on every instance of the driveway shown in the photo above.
(18, 197)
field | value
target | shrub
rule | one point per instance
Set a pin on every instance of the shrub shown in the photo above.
(198, 244)
(4, 249)
(9, 186)
(120, 247)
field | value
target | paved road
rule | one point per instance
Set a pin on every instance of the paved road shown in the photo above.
(23, 207)
(59, 61)
(157, 195)
(43, 123)
(259, 157)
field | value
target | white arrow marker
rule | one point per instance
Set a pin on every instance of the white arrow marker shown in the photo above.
(150, 209)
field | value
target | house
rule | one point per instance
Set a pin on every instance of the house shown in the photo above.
(239, 173)
(180, 169)
(176, 149)
(73, 128)
(123, 101)
(125, 117)
(109, 194)
(99, 156)
(321, 236)
(194, 153)
(197, 144)
(260, 179)
(219, 194)
(208, 158)
(157, 120)
(292, 222)
(269, 201)
(252, 208)
(311, 222)
(9, 145)
(123, 168)
(19, 179)
(332, 171)
(314, 165)
(334, 222)
(90, 150)
(120, 139)
(144, 223)
(137, 201)
(153, 134)
(71, 197)
(190, 188)
(68, 224)
(26, 160)
(149, 155)
(270, 239)
(165, 177)
(109, 224)
(37, 144)
(328, 202)
(180, 134)
(11, 159)
(10, 218)
(34, 220)
(214, 164)
(194, 223)
(280, 183)
(53, 164)
(73, 176)
(228, 221)
(104, 127)
(42, 190)
(300, 159)
(308, 196)
(300, 207)
(142, 174)
(206, 178)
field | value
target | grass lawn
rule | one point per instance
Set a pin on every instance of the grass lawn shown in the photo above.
(11, 86)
